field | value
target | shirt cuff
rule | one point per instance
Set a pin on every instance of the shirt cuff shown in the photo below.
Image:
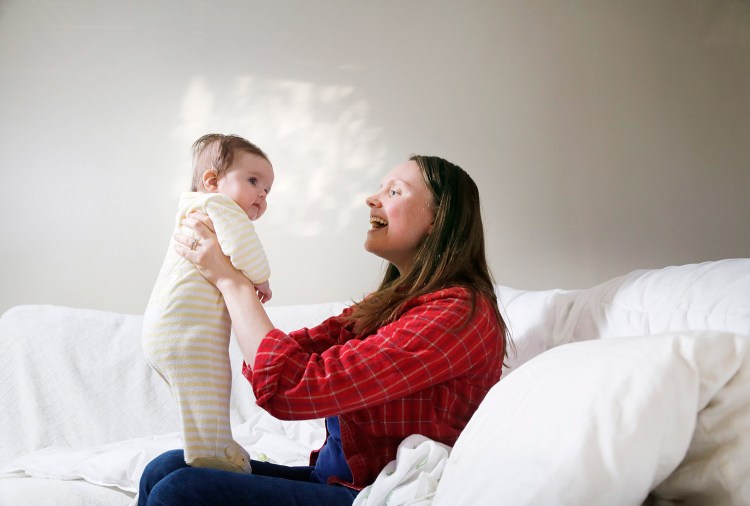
(247, 371)
(271, 359)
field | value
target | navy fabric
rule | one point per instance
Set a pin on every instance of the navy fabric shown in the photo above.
(331, 460)
(167, 480)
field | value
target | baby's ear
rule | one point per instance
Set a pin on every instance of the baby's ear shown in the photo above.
(211, 181)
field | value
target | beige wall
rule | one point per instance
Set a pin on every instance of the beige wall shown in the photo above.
(605, 136)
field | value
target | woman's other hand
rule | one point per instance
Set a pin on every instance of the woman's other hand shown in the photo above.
(204, 250)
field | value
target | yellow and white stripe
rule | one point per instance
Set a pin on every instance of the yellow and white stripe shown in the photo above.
(186, 333)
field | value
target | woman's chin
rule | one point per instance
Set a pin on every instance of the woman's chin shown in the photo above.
(370, 245)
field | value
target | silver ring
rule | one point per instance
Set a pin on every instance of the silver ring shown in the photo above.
(194, 244)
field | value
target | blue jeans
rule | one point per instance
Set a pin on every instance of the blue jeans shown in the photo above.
(167, 480)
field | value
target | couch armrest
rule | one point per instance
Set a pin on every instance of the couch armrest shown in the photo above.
(77, 378)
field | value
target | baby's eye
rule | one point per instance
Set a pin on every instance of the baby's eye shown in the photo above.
(392, 192)
(253, 181)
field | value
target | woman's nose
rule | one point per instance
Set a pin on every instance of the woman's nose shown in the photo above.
(372, 201)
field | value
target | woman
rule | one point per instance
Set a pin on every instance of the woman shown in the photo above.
(417, 356)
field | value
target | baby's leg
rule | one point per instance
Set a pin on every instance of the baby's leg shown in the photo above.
(202, 386)
(192, 355)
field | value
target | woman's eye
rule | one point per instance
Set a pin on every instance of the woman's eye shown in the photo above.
(392, 192)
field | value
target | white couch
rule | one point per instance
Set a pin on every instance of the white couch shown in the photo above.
(661, 413)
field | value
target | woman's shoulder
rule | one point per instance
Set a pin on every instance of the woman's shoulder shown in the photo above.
(456, 292)
(460, 300)
(455, 295)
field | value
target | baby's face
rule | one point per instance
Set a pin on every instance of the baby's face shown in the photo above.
(248, 182)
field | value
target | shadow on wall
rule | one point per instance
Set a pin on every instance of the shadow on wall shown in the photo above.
(326, 157)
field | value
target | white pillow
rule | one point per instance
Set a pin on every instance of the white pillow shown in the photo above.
(705, 296)
(535, 319)
(604, 422)
(716, 469)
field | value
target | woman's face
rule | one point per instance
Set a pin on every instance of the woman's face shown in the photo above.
(401, 215)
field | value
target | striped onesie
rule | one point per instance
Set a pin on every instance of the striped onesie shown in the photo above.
(186, 329)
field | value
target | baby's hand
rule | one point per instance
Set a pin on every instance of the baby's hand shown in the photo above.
(264, 292)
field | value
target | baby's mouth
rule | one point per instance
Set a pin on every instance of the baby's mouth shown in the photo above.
(376, 222)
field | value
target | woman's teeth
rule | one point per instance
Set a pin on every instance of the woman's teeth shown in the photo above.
(378, 222)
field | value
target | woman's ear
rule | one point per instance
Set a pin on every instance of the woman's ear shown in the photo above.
(211, 181)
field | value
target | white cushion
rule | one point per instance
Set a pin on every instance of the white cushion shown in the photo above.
(535, 319)
(705, 296)
(603, 422)
(38, 491)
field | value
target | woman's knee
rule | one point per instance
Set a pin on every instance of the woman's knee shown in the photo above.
(175, 488)
(159, 468)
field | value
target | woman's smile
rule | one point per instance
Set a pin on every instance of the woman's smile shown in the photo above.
(377, 222)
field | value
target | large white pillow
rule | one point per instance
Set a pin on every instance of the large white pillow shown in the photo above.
(604, 422)
(706, 296)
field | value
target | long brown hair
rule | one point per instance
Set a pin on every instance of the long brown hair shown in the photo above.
(452, 254)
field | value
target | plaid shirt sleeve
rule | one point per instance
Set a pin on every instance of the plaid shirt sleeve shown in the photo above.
(326, 370)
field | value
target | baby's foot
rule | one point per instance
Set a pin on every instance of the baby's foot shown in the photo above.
(236, 459)
(239, 457)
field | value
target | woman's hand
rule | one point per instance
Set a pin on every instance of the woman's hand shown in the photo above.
(249, 320)
(204, 249)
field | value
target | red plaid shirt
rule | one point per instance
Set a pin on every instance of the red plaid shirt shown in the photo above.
(417, 375)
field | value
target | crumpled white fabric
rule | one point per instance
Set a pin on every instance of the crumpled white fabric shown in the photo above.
(412, 478)
(121, 464)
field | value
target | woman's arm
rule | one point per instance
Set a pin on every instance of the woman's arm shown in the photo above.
(421, 349)
(249, 320)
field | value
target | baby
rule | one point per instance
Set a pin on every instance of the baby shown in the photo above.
(186, 326)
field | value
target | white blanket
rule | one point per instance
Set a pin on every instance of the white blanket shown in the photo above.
(121, 464)
(79, 400)
(412, 478)
(68, 375)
